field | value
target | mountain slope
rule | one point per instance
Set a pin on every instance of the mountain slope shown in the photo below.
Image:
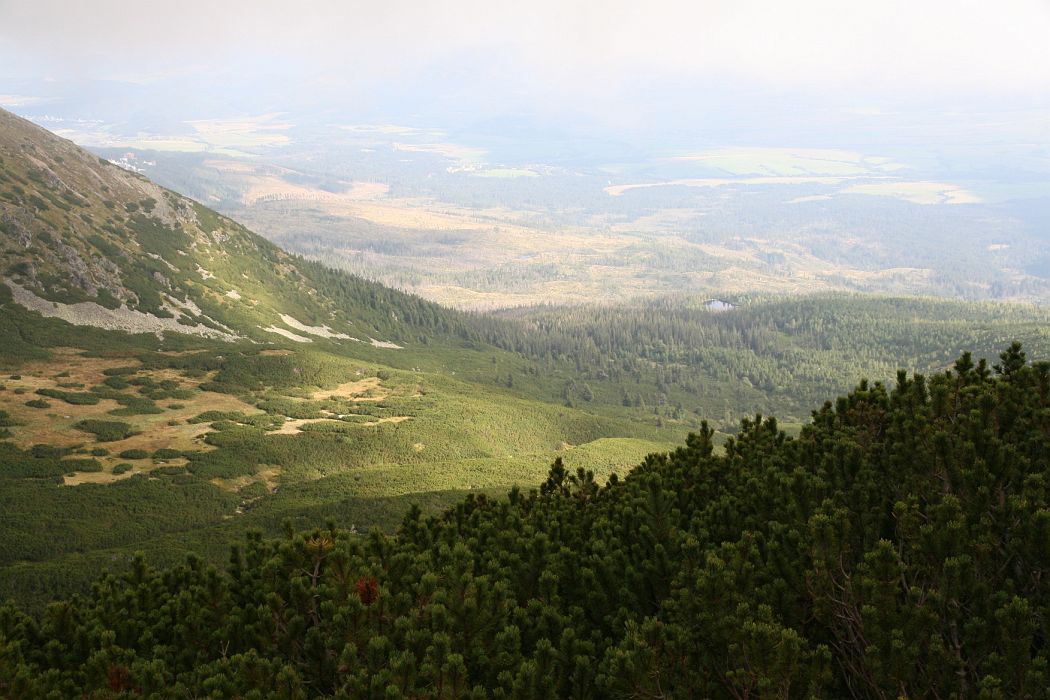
(87, 241)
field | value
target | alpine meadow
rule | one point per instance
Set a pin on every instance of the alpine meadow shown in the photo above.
(586, 350)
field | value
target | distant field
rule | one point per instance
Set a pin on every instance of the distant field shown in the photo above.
(771, 223)
(917, 192)
(456, 258)
(617, 190)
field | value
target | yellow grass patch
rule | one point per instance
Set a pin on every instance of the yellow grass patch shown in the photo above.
(267, 475)
(388, 419)
(54, 425)
(617, 190)
(367, 190)
(103, 477)
(918, 192)
(368, 389)
(294, 426)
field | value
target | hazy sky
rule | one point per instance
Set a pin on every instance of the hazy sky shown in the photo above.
(607, 61)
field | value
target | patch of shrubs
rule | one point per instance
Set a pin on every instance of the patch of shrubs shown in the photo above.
(119, 371)
(136, 406)
(48, 451)
(212, 416)
(116, 382)
(89, 464)
(74, 398)
(106, 430)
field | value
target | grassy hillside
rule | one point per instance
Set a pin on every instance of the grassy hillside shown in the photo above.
(112, 444)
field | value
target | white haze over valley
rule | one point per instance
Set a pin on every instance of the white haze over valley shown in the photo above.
(616, 67)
